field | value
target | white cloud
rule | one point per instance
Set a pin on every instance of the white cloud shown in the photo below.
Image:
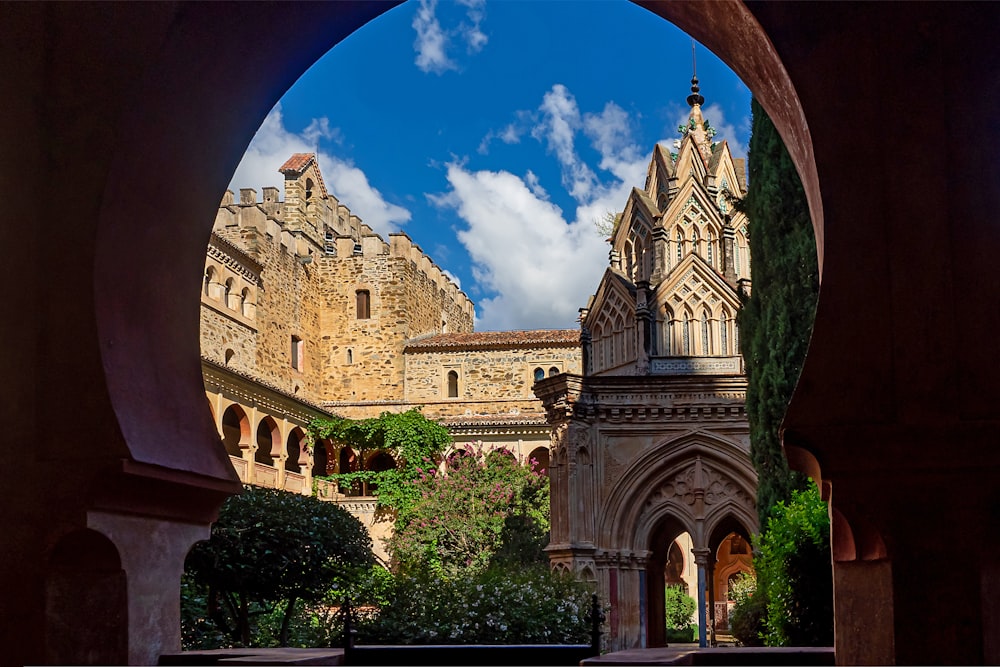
(541, 268)
(560, 120)
(433, 40)
(274, 144)
(470, 31)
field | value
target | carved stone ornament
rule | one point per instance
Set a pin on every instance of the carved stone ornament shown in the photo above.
(715, 485)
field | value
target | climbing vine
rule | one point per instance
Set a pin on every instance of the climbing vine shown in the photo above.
(415, 442)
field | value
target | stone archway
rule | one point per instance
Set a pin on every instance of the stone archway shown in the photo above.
(921, 413)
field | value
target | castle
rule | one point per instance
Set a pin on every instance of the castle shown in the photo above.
(307, 312)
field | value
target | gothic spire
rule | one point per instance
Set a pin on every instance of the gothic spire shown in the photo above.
(694, 98)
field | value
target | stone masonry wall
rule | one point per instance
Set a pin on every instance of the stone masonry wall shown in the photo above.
(491, 381)
(409, 297)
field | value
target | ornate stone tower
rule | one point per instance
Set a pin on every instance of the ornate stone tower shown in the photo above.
(650, 446)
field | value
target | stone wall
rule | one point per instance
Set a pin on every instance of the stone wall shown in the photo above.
(490, 381)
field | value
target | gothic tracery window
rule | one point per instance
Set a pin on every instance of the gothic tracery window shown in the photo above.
(704, 334)
(686, 334)
(723, 338)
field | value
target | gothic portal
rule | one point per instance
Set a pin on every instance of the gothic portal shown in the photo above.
(650, 446)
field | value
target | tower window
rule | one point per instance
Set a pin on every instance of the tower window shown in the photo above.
(553, 371)
(452, 384)
(350, 357)
(296, 353)
(364, 304)
(539, 374)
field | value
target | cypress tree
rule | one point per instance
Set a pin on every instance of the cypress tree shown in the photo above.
(776, 320)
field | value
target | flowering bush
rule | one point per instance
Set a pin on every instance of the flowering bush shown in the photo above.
(486, 509)
(493, 606)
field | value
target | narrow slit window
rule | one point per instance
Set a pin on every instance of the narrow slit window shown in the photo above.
(296, 353)
(364, 304)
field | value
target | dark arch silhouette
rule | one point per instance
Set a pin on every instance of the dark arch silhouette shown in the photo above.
(915, 409)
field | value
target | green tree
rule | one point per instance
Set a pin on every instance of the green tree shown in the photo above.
(776, 321)
(414, 441)
(679, 607)
(794, 572)
(485, 509)
(272, 548)
(793, 559)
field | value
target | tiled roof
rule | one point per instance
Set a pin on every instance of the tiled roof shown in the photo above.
(297, 162)
(496, 339)
(484, 421)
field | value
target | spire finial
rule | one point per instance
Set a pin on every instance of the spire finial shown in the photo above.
(694, 98)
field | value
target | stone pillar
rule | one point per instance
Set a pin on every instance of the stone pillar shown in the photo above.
(728, 252)
(701, 560)
(152, 553)
(644, 327)
(862, 607)
(710, 578)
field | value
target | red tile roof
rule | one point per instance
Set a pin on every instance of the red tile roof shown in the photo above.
(297, 162)
(496, 340)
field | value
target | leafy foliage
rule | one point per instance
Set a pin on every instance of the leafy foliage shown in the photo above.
(776, 321)
(498, 605)
(413, 440)
(679, 607)
(747, 620)
(271, 546)
(486, 509)
(794, 572)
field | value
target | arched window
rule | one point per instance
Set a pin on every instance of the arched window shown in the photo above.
(452, 384)
(363, 300)
(209, 279)
(629, 259)
(666, 332)
(704, 333)
(245, 300)
(350, 356)
(309, 189)
(539, 374)
(553, 371)
(227, 293)
(686, 334)
(723, 334)
(229, 355)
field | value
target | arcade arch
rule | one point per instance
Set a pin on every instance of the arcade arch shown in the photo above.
(154, 98)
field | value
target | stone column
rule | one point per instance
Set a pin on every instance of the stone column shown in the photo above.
(701, 556)
(152, 552)
(728, 252)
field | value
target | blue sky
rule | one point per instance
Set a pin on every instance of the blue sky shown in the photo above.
(495, 134)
